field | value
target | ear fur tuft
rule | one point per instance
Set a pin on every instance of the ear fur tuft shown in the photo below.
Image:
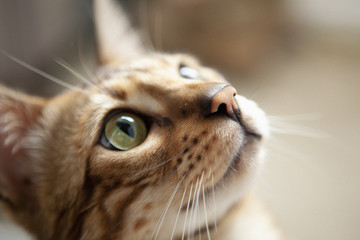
(18, 114)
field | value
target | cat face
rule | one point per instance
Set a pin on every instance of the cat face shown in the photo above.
(189, 150)
(201, 143)
(155, 147)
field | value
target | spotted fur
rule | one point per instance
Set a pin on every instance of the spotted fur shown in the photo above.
(189, 179)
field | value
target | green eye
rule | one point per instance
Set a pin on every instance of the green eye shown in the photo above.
(124, 131)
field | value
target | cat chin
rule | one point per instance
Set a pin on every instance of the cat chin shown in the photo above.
(240, 176)
(230, 190)
(244, 168)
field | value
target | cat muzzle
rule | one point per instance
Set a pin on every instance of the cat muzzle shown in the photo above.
(240, 109)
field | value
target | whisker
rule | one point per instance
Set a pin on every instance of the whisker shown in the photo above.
(84, 235)
(187, 211)
(284, 148)
(65, 65)
(81, 58)
(178, 214)
(144, 24)
(287, 129)
(210, 173)
(167, 208)
(197, 213)
(46, 75)
(163, 180)
(284, 151)
(296, 117)
(281, 125)
(166, 161)
(232, 168)
(192, 209)
(214, 202)
(206, 217)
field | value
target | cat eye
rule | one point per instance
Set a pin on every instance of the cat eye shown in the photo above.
(188, 72)
(123, 131)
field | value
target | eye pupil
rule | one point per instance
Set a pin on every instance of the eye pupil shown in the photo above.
(126, 128)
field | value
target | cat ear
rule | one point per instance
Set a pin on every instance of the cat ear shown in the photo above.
(117, 40)
(18, 114)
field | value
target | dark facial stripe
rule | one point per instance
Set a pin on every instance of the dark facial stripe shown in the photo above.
(77, 213)
(114, 226)
(117, 229)
(114, 93)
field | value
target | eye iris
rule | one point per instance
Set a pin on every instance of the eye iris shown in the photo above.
(188, 72)
(125, 131)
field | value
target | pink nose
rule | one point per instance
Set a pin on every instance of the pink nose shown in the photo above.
(223, 101)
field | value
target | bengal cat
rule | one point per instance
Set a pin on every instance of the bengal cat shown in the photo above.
(155, 146)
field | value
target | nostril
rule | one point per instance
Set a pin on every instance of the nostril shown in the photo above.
(222, 108)
(223, 101)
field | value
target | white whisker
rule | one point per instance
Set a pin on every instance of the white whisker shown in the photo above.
(214, 202)
(46, 75)
(281, 125)
(284, 148)
(155, 191)
(296, 117)
(144, 25)
(232, 168)
(197, 212)
(192, 209)
(83, 237)
(81, 58)
(187, 211)
(65, 65)
(178, 214)
(166, 161)
(206, 217)
(291, 129)
(161, 220)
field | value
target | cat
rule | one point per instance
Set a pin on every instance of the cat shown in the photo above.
(156, 146)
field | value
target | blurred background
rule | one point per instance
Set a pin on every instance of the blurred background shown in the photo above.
(299, 59)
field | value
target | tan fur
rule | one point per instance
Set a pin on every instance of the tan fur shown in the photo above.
(192, 168)
(247, 219)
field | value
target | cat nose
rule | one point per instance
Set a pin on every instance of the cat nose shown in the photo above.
(223, 101)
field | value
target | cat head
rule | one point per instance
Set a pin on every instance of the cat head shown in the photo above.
(156, 145)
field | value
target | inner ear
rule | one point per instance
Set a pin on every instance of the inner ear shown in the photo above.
(19, 114)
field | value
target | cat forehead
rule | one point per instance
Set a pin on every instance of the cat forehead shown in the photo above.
(153, 61)
(138, 82)
(167, 59)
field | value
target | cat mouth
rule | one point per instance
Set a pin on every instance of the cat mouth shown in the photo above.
(249, 132)
(255, 126)
(251, 118)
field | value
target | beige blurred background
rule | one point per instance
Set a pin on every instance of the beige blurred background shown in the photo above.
(299, 59)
